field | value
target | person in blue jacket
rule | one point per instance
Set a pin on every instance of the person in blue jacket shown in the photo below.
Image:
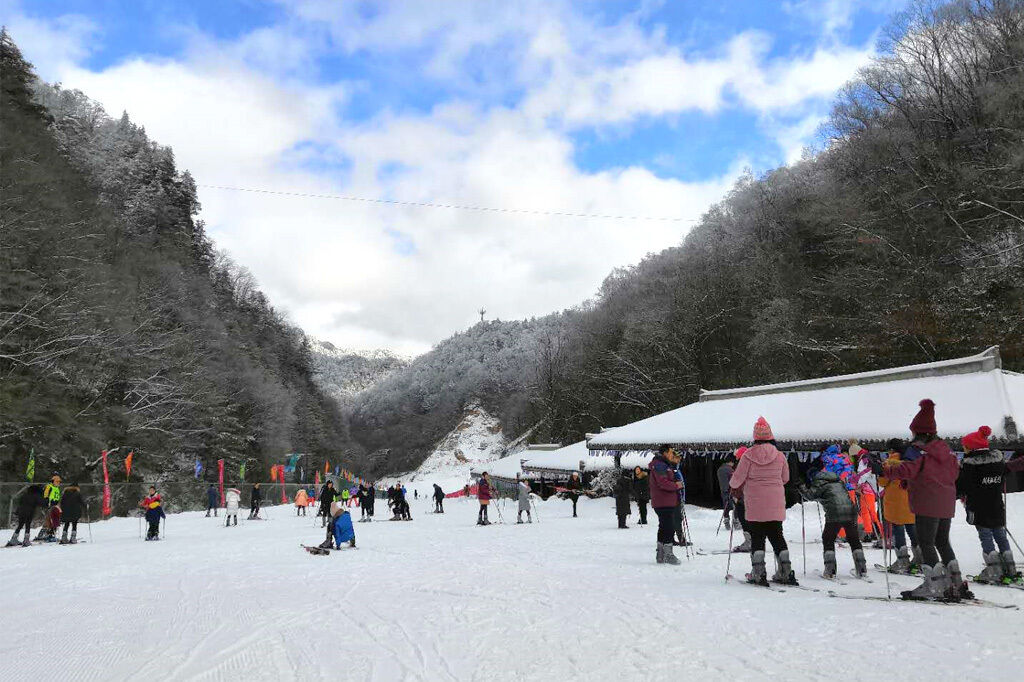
(340, 529)
(211, 500)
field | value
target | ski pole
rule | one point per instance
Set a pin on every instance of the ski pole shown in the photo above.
(88, 521)
(728, 562)
(1019, 550)
(726, 511)
(140, 526)
(803, 533)
(885, 543)
(686, 532)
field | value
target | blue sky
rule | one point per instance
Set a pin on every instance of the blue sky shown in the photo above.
(639, 108)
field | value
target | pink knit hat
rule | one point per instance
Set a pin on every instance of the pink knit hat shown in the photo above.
(762, 431)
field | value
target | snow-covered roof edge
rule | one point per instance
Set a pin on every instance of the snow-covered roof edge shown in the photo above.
(985, 361)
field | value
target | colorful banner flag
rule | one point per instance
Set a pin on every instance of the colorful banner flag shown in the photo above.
(293, 461)
(220, 479)
(273, 473)
(30, 470)
(316, 479)
(199, 467)
(280, 477)
(128, 465)
(302, 474)
(106, 486)
(241, 472)
(327, 467)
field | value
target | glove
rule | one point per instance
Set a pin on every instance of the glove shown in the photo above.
(875, 462)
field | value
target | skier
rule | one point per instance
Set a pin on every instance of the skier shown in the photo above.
(371, 500)
(931, 469)
(574, 485)
(51, 515)
(840, 512)
(340, 528)
(523, 496)
(438, 499)
(866, 485)
(301, 502)
(641, 493)
(759, 479)
(980, 488)
(345, 496)
(211, 500)
(664, 489)
(896, 512)
(154, 512)
(416, 493)
(838, 463)
(71, 512)
(28, 502)
(327, 495)
(232, 499)
(623, 490)
(483, 493)
(724, 473)
(255, 500)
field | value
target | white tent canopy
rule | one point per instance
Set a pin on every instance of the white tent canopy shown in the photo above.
(968, 392)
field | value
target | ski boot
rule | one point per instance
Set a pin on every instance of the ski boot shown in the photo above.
(74, 538)
(784, 569)
(659, 555)
(957, 588)
(917, 562)
(860, 563)
(669, 557)
(992, 574)
(28, 539)
(326, 544)
(352, 543)
(745, 545)
(64, 537)
(726, 522)
(13, 541)
(758, 574)
(830, 570)
(902, 563)
(1011, 576)
(933, 586)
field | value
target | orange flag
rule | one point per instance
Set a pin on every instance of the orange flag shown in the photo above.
(128, 465)
(273, 473)
(327, 467)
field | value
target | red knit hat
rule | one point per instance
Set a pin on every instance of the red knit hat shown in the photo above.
(924, 421)
(762, 431)
(977, 440)
(740, 451)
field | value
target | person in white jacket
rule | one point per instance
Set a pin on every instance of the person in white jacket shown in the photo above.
(231, 498)
(524, 502)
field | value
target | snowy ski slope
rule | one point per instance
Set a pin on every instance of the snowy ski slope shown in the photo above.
(442, 599)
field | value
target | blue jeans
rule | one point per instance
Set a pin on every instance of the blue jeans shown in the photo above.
(901, 532)
(990, 537)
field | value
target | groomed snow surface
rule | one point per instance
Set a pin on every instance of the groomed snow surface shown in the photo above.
(440, 598)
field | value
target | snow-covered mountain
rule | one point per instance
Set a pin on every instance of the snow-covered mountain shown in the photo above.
(477, 439)
(343, 372)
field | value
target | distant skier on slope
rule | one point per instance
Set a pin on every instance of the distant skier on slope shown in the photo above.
(301, 502)
(574, 487)
(153, 506)
(623, 492)
(71, 510)
(211, 500)
(327, 496)
(28, 502)
(723, 474)
(255, 501)
(523, 496)
(232, 498)
(438, 499)
(371, 500)
(759, 480)
(51, 517)
(641, 493)
(483, 494)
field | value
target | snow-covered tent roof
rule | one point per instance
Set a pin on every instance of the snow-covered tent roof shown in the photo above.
(567, 459)
(968, 392)
(506, 467)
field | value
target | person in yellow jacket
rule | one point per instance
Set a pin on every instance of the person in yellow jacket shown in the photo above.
(896, 511)
(301, 502)
(51, 493)
(51, 517)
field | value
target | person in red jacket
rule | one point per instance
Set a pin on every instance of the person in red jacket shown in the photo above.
(930, 469)
(483, 494)
(664, 499)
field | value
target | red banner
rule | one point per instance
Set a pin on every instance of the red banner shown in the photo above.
(316, 480)
(106, 487)
(280, 477)
(220, 479)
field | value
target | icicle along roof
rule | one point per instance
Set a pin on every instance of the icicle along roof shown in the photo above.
(968, 392)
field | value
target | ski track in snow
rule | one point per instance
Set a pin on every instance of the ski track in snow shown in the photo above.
(443, 599)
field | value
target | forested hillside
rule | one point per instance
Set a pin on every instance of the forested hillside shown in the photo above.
(342, 373)
(120, 323)
(902, 241)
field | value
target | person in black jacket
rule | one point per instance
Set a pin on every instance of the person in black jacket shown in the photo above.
(327, 496)
(641, 493)
(211, 500)
(28, 502)
(371, 499)
(71, 507)
(255, 500)
(980, 488)
(623, 491)
(438, 499)
(724, 473)
(573, 487)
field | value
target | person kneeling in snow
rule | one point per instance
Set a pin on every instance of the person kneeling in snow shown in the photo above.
(340, 528)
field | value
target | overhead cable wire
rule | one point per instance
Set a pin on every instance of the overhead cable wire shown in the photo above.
(456, 207)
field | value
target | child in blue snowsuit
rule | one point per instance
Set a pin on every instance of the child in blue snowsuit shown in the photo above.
(340, 528)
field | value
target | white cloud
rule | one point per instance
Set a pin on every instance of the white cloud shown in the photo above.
(235, 113)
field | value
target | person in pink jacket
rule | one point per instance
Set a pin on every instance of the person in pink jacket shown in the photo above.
(759, 479)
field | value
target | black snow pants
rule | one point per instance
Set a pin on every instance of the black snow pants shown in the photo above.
(760, 530)
(831, 532)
